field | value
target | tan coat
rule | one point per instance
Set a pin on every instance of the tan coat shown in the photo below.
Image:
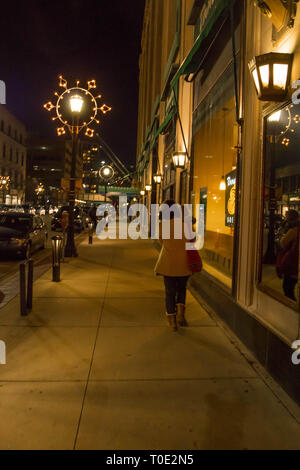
(172, 260)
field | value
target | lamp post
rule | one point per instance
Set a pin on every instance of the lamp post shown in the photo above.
(39, 190)
(4, 184)
(157, 179)
(76, 108)
(106, 172)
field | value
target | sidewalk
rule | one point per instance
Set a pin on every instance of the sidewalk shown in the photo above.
(95, 366)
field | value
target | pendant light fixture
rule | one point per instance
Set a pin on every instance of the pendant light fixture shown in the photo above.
(222, 186)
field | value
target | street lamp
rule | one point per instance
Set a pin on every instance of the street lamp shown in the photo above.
(148, 187)
(179, 159)
(106, 172)
(271, 75)
(76, 108)
(4, 184)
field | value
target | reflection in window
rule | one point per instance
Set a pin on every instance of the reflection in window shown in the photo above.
(280, 239)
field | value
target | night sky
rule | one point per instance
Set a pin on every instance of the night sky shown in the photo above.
(80, 39)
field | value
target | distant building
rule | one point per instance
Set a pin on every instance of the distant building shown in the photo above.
(49, 163)
(12, 156)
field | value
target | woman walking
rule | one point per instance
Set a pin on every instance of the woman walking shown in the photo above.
(173, 265)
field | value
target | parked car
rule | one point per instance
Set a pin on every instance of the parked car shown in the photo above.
(79, 219)
(21, 234)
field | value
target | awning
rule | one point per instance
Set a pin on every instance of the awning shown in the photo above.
(166, 121)
(204, 40)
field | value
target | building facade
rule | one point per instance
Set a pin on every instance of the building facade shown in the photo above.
(198, 99)
(13, 157)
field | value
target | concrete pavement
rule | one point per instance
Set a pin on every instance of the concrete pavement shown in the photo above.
(95, 366)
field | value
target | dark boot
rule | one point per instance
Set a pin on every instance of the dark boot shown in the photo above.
(180, 315)
(172, 321)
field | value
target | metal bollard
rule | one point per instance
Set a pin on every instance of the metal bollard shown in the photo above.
(26, 294)
(91, 229)
(30, 284)
(57, 243)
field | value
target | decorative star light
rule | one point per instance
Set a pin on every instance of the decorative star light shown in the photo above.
(89, 105)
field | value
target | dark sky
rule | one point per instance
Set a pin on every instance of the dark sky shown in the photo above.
(80, 39)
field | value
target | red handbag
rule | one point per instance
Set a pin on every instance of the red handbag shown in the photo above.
(287, 260)
(194, 261)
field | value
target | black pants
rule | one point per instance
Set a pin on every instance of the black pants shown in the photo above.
(288, 286)
(175, 292)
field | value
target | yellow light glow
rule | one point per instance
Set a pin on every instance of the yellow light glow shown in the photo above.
(280, 72)
(285, 141)
(179, 159)
(148, 187)
(222, 186)
(142, 193)
(275, 117)
(62, 82)
(89, 132)
(60, 130)
(76, 103)
(49, 106)
(265, 75)
(256, 81)
(92, 84)
(104, 108)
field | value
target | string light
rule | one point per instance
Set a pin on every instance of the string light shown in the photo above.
(89, 132)
(285, 141)
(104, 108)
(49, 106)
(78, 100)
(62, 82)
(91, 84)
(61, 130)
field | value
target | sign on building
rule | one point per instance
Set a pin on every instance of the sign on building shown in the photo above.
(230, 180)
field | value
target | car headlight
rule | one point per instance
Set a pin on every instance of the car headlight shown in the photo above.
(17, 241)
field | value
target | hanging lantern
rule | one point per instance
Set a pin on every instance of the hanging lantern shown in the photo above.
(222, 186)
(271, 74)
(142, 192)
(179, 159)
(157, 179)
(148, 187)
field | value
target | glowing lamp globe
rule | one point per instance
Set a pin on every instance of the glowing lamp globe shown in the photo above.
(76, 103)
(222, 186)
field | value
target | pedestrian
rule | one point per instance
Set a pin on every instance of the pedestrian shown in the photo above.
(173, 265)
(287, 258)
(93, 215)
(64, 222)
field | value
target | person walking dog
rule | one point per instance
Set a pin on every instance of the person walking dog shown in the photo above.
(175, 263)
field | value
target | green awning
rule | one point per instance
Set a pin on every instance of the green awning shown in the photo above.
(118, 189)
(166, 121)
(220, 11)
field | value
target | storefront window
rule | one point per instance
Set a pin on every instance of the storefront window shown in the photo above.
(281, 190)
(214, 179)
